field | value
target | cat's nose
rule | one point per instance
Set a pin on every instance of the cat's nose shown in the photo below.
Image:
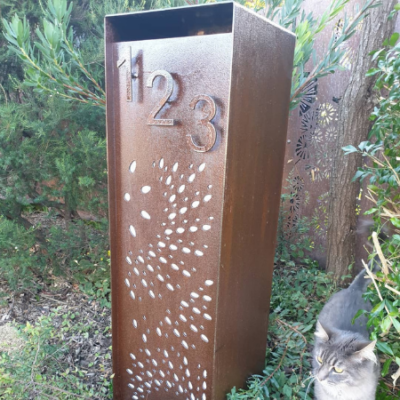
(322, 374)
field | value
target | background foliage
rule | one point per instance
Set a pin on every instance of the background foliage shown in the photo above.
(382, 168)
(53, 176)
(53, 200)
(53, 133)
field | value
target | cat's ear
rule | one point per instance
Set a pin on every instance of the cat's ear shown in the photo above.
(366, 351)
(321, 332)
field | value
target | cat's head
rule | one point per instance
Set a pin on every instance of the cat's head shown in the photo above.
(342, 358)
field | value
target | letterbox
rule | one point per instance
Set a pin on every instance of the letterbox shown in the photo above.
(197, 109)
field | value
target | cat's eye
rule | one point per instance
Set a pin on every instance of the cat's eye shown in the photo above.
(338, 370)
(319, 359)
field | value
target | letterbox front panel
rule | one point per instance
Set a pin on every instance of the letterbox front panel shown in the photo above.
(169, 146)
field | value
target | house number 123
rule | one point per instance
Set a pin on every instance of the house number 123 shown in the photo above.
(211, 134)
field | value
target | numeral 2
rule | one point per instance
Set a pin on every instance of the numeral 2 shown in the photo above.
(211, 132)
(126, 61)
(151, 119)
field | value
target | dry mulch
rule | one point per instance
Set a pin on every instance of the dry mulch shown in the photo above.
(92, 355)
(9, 339)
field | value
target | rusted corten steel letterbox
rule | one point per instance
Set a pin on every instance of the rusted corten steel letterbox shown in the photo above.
(197, 109)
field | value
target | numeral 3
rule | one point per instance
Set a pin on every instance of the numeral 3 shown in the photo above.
(211, 132)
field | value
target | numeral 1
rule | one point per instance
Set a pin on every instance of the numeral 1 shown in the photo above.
(126, 61)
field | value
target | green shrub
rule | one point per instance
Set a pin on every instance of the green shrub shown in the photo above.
(383, 172)
(19, 260)
(81, 254)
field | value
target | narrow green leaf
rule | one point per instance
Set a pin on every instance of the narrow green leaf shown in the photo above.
(349, 149)
(378, 308)
(385, 348)
(395, 222)
(385, 368)
(396, 324)
(393, 39)
(385, 324)
(359, 312)
(372, 71)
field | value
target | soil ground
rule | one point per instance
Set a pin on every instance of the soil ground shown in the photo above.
(91, 355)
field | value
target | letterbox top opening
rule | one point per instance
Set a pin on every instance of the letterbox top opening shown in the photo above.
(206, 19)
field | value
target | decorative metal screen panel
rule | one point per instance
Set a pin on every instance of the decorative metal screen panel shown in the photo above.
(312, 139)
(193, 198)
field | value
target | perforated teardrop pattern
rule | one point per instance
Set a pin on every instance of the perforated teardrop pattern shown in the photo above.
(164, 266)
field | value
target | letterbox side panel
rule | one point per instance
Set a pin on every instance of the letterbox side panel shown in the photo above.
(208, 19)
(258, 115)
(114, 180)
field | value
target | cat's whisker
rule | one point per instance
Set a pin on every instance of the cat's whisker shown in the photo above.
(305, 380)
(309, 384)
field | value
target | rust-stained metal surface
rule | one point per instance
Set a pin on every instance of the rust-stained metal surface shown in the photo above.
(195, 167)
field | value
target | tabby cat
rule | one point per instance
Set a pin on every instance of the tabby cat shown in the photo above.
(345, 366)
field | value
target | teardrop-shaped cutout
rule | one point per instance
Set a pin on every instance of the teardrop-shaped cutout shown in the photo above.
(145, 214)
(132, 230)
(204, 338)
(181, 188)
(146, 189)
(132, 167)
(191, 178)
